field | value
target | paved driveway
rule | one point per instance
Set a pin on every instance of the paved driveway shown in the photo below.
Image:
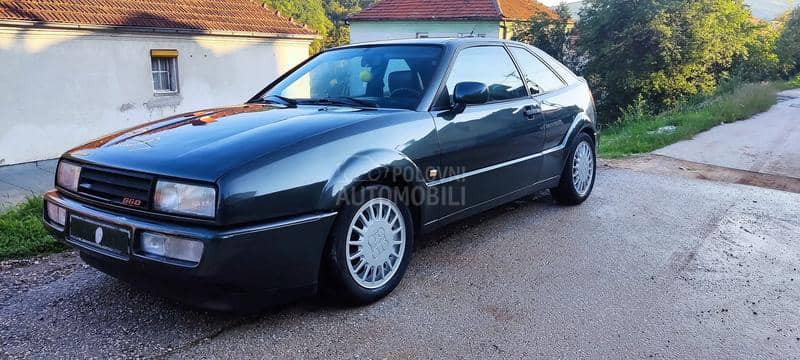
(18, 182)
(766, 143)
(651, 265)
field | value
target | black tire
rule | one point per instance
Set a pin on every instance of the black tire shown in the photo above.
(338, 280)
(566, 193)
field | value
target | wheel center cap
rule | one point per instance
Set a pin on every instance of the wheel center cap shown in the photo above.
(377, 244)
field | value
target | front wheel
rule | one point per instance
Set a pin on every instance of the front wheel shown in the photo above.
(371, 246)
(577, 179)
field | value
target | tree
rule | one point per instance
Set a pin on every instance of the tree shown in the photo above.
(662, 51)
(547, 32)
(759, 62)
(308, 12)
(787, 47)
(338, 11)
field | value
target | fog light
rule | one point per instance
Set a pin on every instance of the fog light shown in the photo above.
(171, 247)
(56, 214)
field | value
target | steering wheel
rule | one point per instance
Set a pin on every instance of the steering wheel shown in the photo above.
(412, 92)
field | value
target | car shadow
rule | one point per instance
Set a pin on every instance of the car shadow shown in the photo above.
(117, 319)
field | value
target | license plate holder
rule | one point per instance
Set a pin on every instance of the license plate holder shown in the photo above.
(101, 235)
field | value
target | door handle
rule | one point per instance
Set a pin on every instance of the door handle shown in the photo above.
(532, 110)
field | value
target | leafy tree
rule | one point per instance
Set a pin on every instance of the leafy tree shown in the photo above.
(787, 47)
(338, 11)
(327, 17)
(759, 62)
(662, 50)
(547, 32)
(309, 12)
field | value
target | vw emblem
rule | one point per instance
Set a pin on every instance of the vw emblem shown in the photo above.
(98, 235)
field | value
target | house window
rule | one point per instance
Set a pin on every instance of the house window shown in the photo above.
(164, 67)
(422, 35)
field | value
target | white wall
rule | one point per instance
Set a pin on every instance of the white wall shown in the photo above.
(363, 31)
(62, 88)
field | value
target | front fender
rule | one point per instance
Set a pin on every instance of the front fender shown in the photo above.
(375, 166)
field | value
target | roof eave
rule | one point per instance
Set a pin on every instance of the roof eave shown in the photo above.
(139, 29)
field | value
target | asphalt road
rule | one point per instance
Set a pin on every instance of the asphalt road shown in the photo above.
(650, 266)
(774, 150)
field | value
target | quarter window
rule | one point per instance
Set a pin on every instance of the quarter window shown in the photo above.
(491, 66)
(164, 68)
(538, 76)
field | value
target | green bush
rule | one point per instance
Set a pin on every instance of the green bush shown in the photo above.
(22, 232)
(787, 46)
(760, 62)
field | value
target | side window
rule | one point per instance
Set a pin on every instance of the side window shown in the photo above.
(538, 75)
(490, 65)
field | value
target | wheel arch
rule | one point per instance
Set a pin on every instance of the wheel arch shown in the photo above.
(368, 168)
(378, 167)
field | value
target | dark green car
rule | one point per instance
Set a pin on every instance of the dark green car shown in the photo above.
(325, 177)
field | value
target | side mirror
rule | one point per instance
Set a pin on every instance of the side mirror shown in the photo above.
(469, 93)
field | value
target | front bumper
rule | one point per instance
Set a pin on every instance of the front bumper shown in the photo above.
(269, 263)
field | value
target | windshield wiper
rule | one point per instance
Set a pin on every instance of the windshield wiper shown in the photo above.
(277, 99)
(342, 100)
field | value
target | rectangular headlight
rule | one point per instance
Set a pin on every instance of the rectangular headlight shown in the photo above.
(67, 175)
(171, 247)
(185, 199)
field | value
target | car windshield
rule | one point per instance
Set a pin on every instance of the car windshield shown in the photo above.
(389, 76)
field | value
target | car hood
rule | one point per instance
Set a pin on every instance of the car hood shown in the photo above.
(204, 145)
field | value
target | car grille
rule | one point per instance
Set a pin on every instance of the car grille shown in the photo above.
(123, 188)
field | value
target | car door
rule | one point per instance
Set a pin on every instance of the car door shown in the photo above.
(558, 105)
(486, 149)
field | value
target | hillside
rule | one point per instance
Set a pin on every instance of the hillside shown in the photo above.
(770, 9)
(762, 9)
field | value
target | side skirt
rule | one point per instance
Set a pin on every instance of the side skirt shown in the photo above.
(490, 204)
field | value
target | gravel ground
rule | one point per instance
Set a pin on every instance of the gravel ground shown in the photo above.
(649, 266)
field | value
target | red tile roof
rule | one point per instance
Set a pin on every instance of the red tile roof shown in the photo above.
(453, 10)
(524, 9)
(199, 15)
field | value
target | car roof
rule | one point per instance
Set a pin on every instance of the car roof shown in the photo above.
(450, 42)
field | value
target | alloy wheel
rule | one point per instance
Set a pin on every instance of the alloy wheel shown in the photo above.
(376, 242)
(583, 168)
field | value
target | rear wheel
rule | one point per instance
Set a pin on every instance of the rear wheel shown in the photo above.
(370, 246)
(577, 179)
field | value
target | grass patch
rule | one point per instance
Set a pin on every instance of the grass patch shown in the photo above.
(788, 85)
(636, 132)
(22, 233)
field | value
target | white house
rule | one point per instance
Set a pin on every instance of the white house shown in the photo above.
(404, 19)
(72, 70)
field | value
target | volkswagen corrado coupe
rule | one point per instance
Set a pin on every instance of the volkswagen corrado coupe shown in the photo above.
(324, 178)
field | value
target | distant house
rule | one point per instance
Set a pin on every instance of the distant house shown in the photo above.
(402, 19)
(72, 70)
